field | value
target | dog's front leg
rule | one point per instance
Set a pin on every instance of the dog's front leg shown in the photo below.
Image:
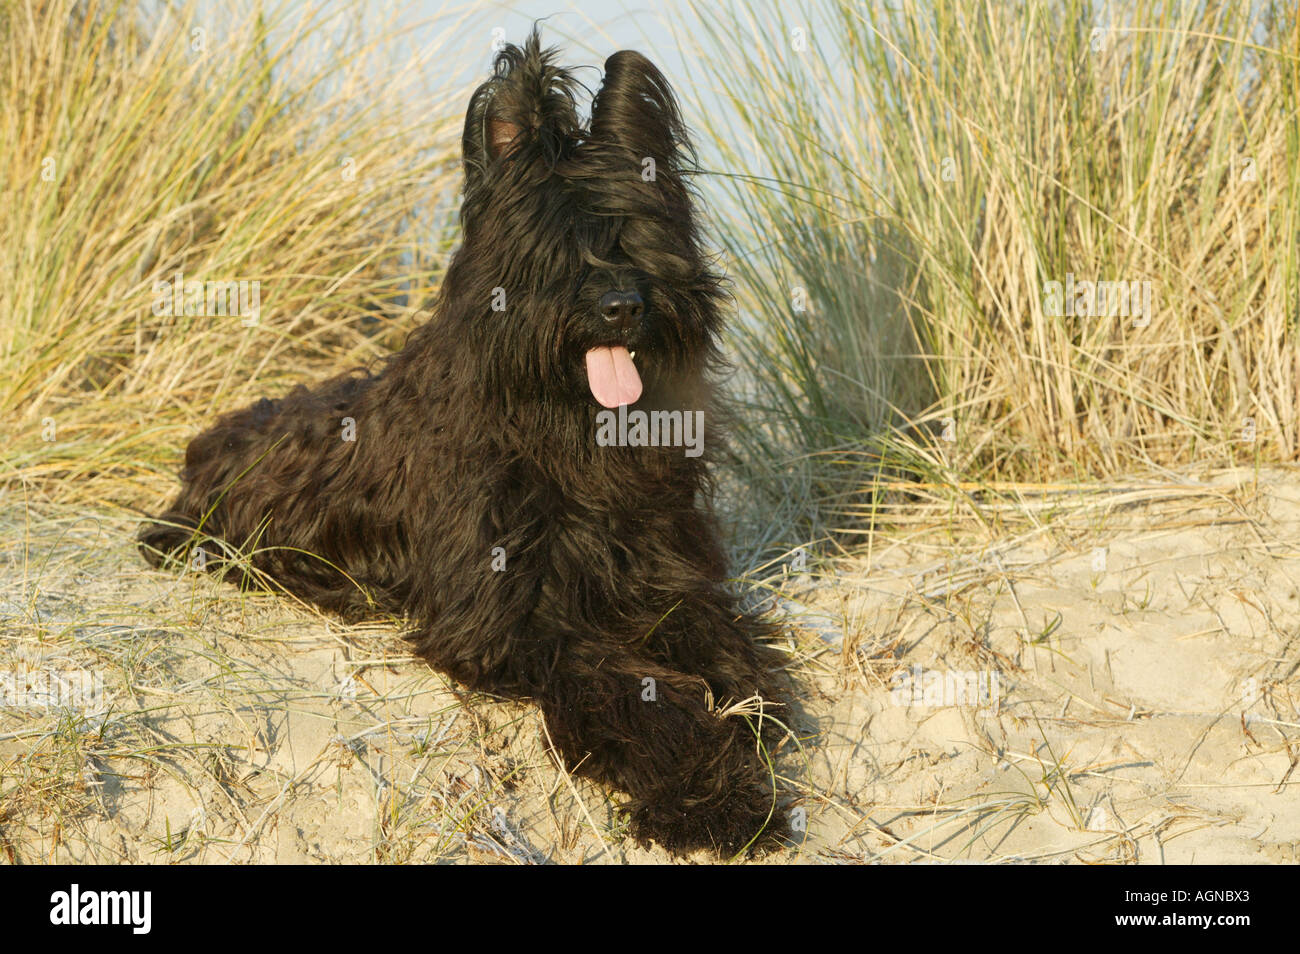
(711, 637)
(697, 779)
(475, 608)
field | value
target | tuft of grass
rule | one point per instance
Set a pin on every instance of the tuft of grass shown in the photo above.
(266, 143)
(904, 181)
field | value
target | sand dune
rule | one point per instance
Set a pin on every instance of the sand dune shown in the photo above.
(1112, 678)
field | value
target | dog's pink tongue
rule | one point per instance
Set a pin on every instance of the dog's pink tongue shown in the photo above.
(612, 376)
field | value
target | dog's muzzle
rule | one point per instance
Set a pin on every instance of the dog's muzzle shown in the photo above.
(622, 309)
(611, 373)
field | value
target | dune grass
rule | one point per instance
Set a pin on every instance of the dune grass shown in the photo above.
(238, 728)
(272, 146)
(904, 182)
(908, 179)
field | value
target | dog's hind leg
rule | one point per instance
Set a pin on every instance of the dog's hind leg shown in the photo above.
(215, 462)
(165, 537)
(273, 493)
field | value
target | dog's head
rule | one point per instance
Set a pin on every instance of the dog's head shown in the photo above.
(581, 275)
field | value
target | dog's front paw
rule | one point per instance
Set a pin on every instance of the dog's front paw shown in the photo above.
(744, 820)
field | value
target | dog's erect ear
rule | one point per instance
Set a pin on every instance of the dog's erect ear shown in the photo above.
(635, 109)
(528, 101)
(486, 137)
(635, 161)
(487, 133)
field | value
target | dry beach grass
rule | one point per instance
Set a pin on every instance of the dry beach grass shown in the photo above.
(934, 478)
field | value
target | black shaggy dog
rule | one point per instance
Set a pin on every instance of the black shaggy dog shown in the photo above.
(485, 496)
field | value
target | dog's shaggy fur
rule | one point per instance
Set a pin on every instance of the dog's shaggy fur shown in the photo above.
(475, 497)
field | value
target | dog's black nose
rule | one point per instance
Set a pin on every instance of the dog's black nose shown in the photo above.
(622, 309)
